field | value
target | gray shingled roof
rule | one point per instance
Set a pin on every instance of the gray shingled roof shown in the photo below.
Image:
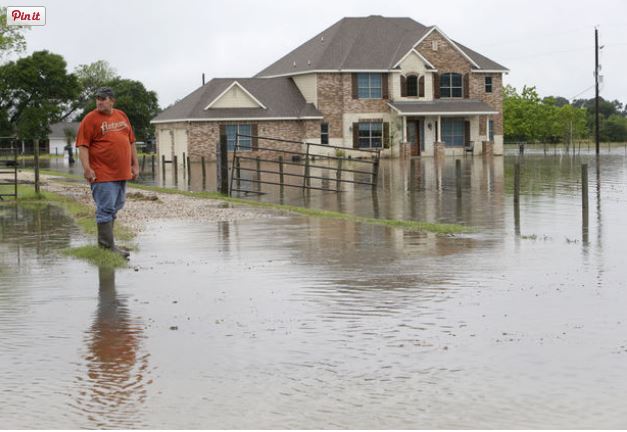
(280, 96)
(57, 130)
(443, 107)
(368, 43)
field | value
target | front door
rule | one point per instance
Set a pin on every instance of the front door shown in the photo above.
(413, 136)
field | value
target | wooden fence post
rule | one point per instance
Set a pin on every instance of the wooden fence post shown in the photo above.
(458, 177)
(281, 178)
(338, 175)
(222, 170)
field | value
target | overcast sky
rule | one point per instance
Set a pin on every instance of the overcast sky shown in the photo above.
(168, 45)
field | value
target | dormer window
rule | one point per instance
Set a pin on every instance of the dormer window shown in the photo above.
(451, 85)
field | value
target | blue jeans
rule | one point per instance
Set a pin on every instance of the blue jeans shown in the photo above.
(109, 198)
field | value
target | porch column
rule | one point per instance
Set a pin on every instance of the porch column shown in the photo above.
(439, 128)
(404, 134)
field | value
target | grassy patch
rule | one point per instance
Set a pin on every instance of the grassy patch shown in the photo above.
(97, 256)
(42, 156)
(395, 223)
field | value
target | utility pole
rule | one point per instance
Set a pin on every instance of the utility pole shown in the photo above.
(596, 85)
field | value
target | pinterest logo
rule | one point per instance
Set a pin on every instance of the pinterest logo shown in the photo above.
(26, 15)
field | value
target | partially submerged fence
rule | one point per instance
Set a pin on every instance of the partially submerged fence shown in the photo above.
(302, 160)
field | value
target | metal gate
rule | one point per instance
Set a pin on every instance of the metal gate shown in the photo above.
(8, 168)
(303, 162)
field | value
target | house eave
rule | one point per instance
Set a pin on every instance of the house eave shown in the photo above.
(333, 71)
(235, 119)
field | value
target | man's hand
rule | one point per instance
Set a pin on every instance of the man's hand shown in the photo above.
(135, 171)
(89, 174)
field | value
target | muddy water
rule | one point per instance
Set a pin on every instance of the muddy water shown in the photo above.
(307, 323)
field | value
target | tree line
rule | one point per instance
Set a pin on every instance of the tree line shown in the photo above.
(552, 119)
(38, 90)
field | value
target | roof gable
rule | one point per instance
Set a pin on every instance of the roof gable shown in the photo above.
(420, 57)
(235, 96)
(278, 98)
(371, 43)
(435, 29)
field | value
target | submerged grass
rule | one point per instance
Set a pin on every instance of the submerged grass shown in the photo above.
(97, 256)
(394, 223)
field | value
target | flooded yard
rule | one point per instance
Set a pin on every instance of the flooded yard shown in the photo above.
(297, 322)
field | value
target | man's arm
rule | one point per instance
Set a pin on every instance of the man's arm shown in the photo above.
(134, 162)
(88, 173)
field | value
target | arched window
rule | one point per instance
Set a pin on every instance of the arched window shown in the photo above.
(451, 85)
(412, 85)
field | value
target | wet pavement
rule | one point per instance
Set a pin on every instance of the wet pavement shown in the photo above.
(296, 322)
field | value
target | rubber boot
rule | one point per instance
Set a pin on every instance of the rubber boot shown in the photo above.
(105, 239)
(125, 249)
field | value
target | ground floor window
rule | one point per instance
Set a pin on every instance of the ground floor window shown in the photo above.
(453, 132)
(245, 143)
(370, 135)
(324, 133)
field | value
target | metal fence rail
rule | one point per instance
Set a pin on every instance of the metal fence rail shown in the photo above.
(371, 158)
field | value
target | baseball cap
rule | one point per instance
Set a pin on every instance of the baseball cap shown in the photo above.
(104, 92)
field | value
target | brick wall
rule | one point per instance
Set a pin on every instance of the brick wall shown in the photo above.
(448, 59)
(331, 102)
(494, 99)
(204, 136)
(335, 98)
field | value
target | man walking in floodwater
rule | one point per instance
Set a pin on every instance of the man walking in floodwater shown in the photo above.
(109, 158)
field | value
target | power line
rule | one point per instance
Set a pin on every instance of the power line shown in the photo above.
(548, 53)
(526, 39)
(580, 93)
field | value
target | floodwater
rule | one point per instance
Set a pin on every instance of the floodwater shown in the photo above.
(296, 322)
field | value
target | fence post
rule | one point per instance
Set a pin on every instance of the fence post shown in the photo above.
(281, 179)
(306, 176)
(222, 170)
(338, 176)
(175, 163)
(184, 166)
(204, 172)
(143, 163)
(238, 171)
(584, 192)
(152, 163)
(258, 167)
(36, 143)
(163, 169)
(189, 171)
(375, 172)
(458, 177)
(517, 182)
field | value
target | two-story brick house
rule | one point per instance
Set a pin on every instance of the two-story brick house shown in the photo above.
(370, 82)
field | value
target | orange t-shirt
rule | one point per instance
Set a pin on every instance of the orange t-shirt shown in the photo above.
(109, 139)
